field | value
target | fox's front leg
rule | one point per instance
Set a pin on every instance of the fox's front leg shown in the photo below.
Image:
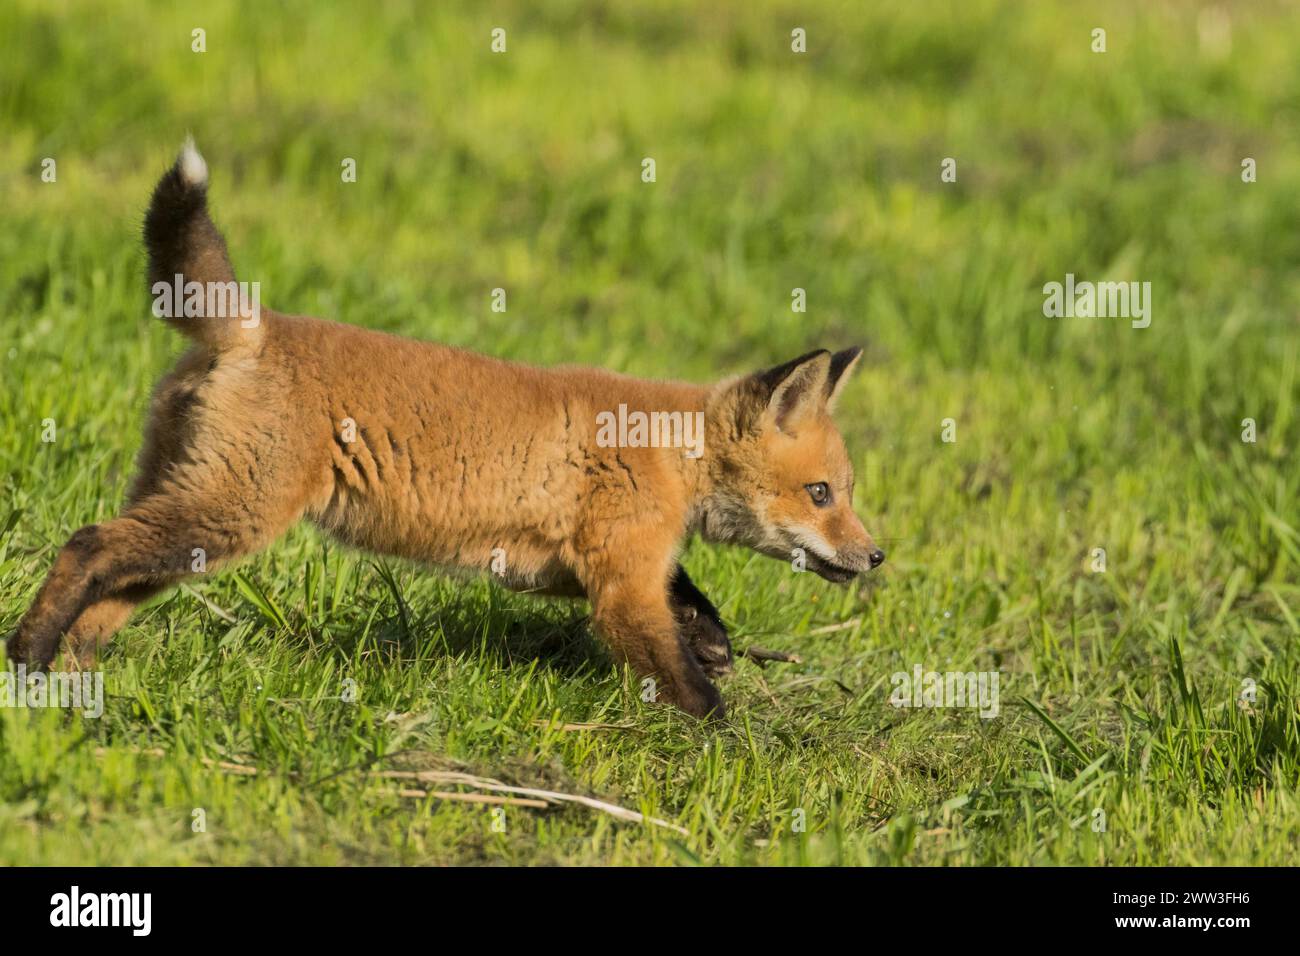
(701, 625)
(633, 616)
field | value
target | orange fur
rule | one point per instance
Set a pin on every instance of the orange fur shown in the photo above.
(459, 460)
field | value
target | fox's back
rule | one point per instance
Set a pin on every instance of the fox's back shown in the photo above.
(443, 454)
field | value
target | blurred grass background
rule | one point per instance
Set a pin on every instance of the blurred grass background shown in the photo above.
(774, 171)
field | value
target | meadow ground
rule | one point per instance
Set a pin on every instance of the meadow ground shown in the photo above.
(1126, 731)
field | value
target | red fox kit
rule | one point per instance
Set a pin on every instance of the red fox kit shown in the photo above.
(566, 481)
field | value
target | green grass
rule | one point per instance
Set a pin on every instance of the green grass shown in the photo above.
(1119, 689)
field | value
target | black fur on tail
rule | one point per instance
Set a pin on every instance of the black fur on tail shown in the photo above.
(182, 240)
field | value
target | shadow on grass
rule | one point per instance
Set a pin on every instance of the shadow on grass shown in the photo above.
(507, 629)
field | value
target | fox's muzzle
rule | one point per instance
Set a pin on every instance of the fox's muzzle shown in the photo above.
(849, 562)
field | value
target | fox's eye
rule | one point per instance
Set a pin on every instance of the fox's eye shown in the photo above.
(820, 493)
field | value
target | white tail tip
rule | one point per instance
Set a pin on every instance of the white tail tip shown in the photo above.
(194, 168)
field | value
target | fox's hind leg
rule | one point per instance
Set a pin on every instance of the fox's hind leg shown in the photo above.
(163, 444)
(106, 570)
(96, 625)
(701, 625)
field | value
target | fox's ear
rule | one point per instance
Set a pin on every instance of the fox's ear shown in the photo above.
(795, 390)
(842, 366)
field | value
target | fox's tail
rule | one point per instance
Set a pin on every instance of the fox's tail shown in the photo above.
(190, 277)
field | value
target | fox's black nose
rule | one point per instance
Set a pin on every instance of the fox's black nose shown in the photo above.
(877, 558)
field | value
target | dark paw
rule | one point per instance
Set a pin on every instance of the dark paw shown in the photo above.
(707, 640)
(699, 698)
(18, 650)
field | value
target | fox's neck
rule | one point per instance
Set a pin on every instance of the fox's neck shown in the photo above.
(698, 480)
(707, 510)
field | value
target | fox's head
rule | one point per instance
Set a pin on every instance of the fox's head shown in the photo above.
(780, 475)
